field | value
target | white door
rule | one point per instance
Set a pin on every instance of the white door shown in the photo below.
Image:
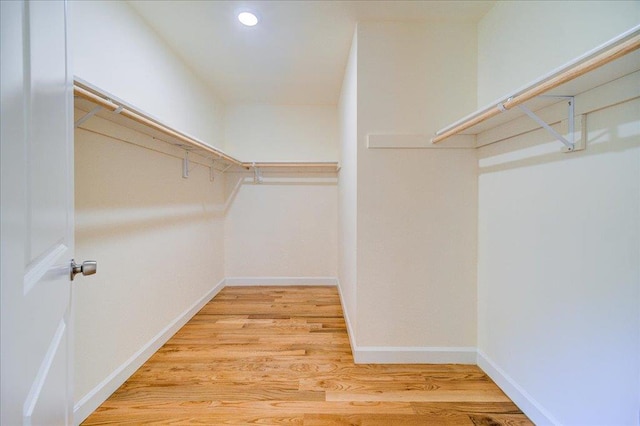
(36, 214)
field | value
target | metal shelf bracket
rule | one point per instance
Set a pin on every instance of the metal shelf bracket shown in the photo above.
(257, 174)
(87, 116)
(570, 144)
(185, 165)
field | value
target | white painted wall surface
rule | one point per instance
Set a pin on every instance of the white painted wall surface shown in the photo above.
(348, 188)
(417, 209)
(282, 132)
(559, 275)
(115, 50)
(559, 251)
(158, 240)
(519, 41)
(284, 227)
(417, 76)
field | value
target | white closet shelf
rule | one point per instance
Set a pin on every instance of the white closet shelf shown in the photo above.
(94, 101)
(612, 60)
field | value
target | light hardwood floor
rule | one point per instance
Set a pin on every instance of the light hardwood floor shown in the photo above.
(281, 355)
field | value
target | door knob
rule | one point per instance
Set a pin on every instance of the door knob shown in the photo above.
(88, 267)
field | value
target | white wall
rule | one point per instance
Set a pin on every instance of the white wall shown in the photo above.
(348, 187)
(158, 240)
(135, 214)
(283, 227)
(286, 226)
(113, 49)
(416, 209)
(558, 271)
(281, 132)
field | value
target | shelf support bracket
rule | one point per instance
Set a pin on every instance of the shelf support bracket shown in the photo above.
(257, 174)
(185, 165)
(212, 175)
(569, 144)
(87, 116)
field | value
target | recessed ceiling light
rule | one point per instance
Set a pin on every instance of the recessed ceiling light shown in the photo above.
(248, 19)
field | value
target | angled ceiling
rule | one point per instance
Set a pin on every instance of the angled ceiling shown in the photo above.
(295, 55)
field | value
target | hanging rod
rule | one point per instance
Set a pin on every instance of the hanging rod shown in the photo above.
(102, 100)
(292, 164)
(140, 118)
(600, 56)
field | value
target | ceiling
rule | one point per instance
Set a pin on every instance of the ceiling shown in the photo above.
(295, 55)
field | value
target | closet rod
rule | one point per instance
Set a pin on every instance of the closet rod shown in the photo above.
(124, 111)
(284, 164)
(564, 76)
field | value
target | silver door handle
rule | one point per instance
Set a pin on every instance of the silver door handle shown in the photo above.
(88, 267)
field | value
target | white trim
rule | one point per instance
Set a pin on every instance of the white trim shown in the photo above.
(414, 355)
(284, 281)
(100, 393)
(529, 406)
(345, 313)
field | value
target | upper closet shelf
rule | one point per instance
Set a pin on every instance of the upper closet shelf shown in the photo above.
(94, 101)
(615, 59)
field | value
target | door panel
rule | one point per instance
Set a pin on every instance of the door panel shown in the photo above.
(46, 403)
(36, 214)
(45, 72)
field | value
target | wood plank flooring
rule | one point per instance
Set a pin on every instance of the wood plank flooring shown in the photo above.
(281, 356)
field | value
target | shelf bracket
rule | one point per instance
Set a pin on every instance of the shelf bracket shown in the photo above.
(569, 144)
(87, 116)
(212, 175)
(257, 174)
(185, 165)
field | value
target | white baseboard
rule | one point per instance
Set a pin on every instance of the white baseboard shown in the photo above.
(350, 329)
(285, 281)
(515, 392)
(111, 383)
(414, 355)
(404, 354)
